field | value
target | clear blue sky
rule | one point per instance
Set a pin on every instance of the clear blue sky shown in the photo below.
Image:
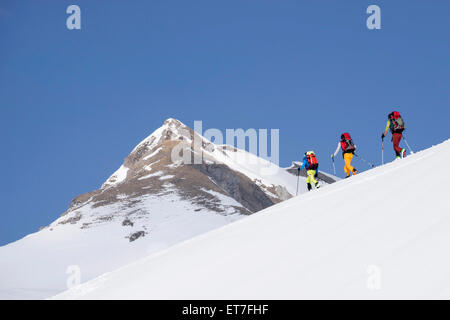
(74, 103)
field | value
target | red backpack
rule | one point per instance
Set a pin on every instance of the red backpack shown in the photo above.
(312, 160)
(397, 123)
(347, 143)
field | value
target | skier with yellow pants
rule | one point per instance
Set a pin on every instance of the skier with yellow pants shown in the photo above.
(311, 166)
(348, 150)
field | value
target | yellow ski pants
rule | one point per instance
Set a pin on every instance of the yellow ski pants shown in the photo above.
(348, 166)
(310, 177)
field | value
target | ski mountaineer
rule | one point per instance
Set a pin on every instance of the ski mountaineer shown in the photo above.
(348, 150)
(311, 166)
(396, 125)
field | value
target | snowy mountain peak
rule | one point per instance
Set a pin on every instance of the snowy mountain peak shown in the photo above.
(218, 183)
(171, 122)
(226, 180)
(171, 129)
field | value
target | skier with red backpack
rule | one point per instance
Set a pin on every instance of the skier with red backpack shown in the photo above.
(311, 166)
(348, 150)
(396, 125)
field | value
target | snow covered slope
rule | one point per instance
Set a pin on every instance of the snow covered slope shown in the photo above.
(150, 203)
(384, 233)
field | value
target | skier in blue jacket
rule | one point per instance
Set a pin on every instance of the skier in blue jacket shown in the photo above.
(311, 166)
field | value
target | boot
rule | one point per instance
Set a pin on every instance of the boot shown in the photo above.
(309, 186)
(402, 154)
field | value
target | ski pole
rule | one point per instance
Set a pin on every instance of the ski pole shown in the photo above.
(334, 167)
(298, 178)
(407, 144)
(382, 150)
(364, 160)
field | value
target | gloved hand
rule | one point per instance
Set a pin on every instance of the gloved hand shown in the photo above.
(332, 156)
(316, 175)
(298, 169)
(382, 136)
